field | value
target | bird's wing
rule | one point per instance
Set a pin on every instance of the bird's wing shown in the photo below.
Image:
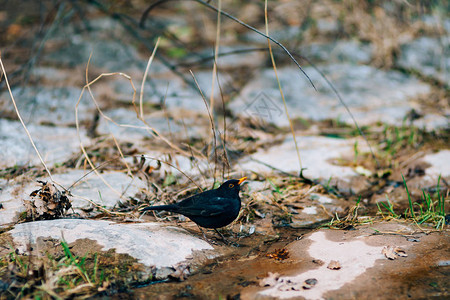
(211, 207)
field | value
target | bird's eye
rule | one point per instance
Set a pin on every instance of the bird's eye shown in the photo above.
(231, 185)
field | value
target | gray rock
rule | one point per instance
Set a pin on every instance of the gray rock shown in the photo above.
(87, 191)
(128, 127)
(180, 124)
(430, 122)
(317, 155)
(173, 92)
(437, 20)
(93, 188)
(152, 244)
(11, 200)
(338, 52)
(428, 56)
(106, 40)
(106, 54)
(56, 144)
(59, 76)
(45, 105)
(283, 35)
(440, 166)
(239, 60)
(372, 95)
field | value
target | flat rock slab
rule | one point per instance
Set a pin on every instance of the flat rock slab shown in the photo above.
(440, 165)
(435, 168)
(150, 243)
(306, 212)
(317, 155)
(11, 196)
(173, 92)
(89, 192)
(372, 95)
(48, 105)
(428, 56)
(105, 40)
(339, 51)
(362, 267)
(56, 144)
(125, 126)
(94, 188)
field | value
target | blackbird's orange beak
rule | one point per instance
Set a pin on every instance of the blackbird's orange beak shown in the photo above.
(242, 180)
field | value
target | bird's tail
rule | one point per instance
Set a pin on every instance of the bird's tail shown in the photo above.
(169, 207)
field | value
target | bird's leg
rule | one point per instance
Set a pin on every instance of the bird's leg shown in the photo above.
(203, 233)
(221, 235)
(211, 242)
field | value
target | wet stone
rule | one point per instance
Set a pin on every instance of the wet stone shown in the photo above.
(327, 250)
(388, 98)
(152, 245)
(363, 267)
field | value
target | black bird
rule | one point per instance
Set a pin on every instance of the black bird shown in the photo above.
(211, 209)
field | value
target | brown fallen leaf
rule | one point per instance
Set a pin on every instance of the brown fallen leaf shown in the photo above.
(279, 254)
(334, 265)
(46, 203)
(400, 252)
(388, 251)
(392, 252)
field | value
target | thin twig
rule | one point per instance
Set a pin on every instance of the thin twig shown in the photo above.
(216, 51)
(266, 20)
(22, 122)
(223, 140)
(141, 96)
(77, 123)
(211, 119)
(173, 166)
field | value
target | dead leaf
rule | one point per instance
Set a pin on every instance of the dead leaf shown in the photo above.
(388, 251)
(47, 203)
(334, 265)
(392, 252)
(400, 252)
(279, 254)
